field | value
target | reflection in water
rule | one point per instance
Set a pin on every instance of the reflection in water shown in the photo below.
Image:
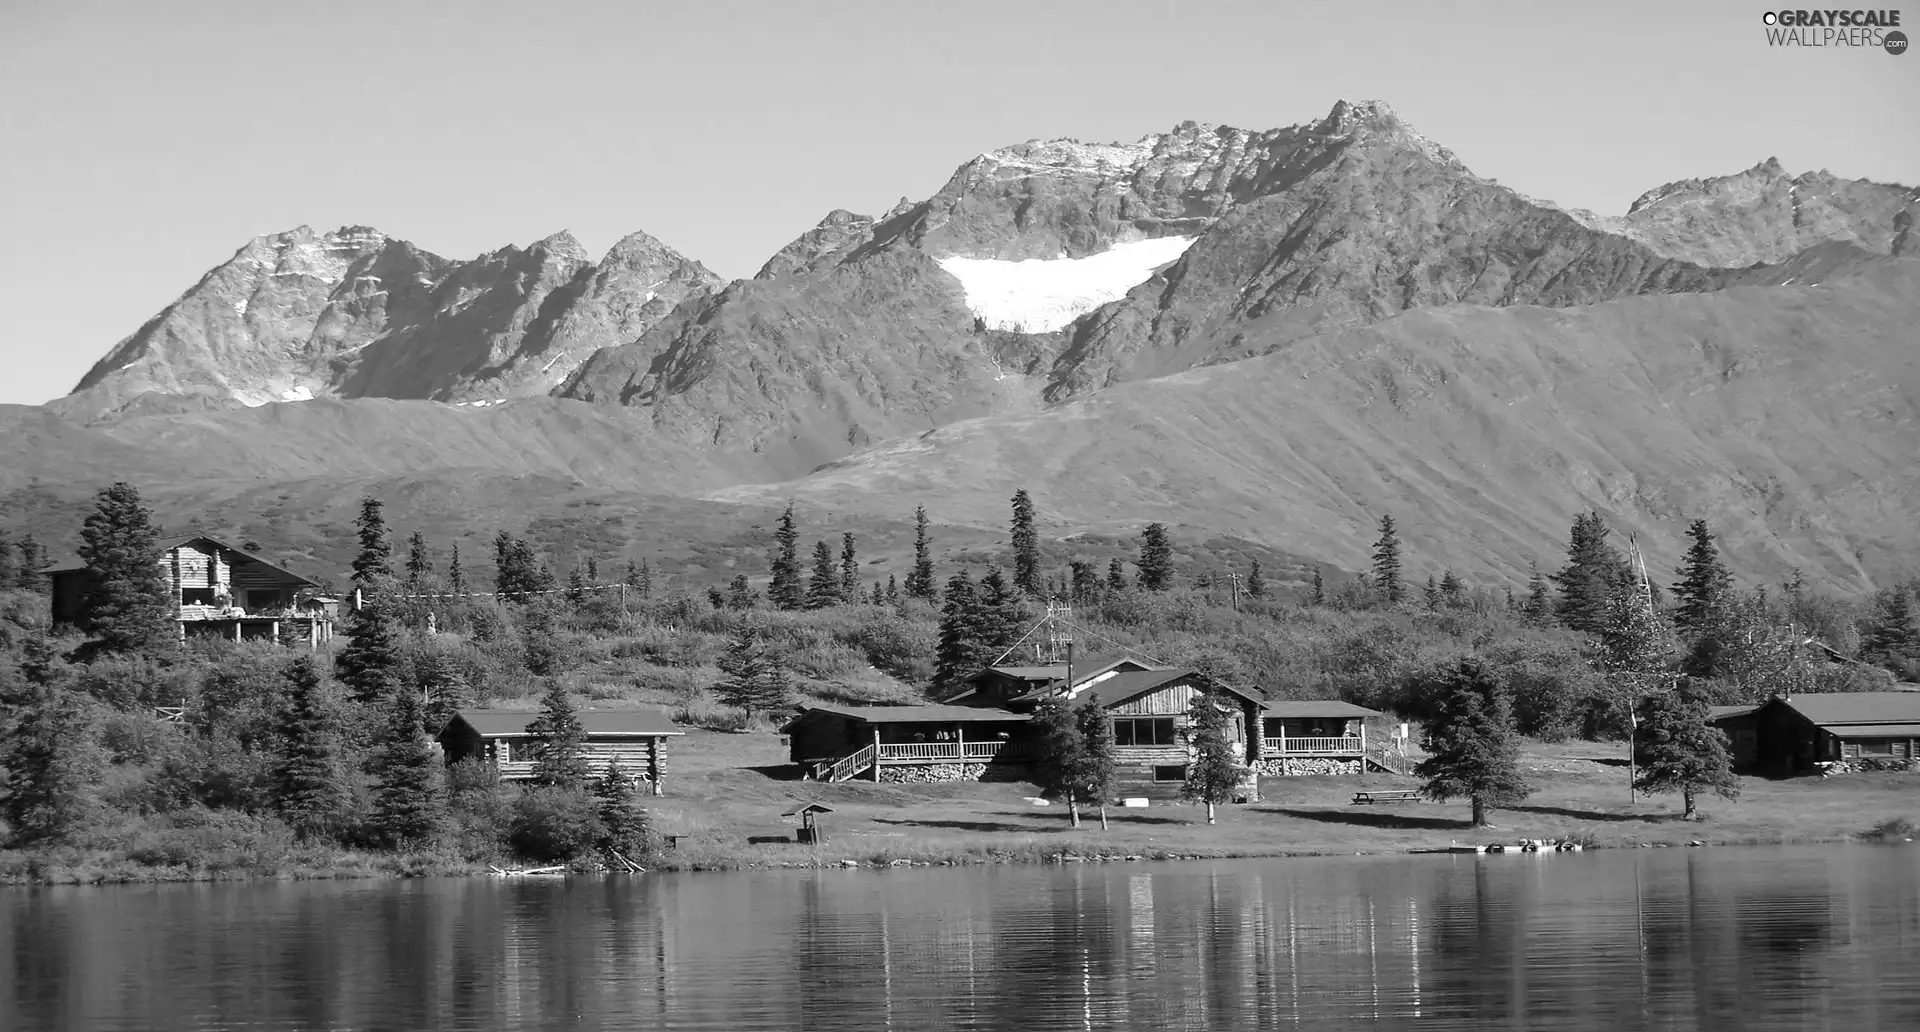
(1720, 939)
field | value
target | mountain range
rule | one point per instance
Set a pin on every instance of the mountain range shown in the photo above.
(1272, 335)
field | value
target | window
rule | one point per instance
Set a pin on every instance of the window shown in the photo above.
(1143, 731)
(1876, 747)
(1175, 773)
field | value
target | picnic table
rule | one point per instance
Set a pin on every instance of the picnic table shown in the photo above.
(1411, 795)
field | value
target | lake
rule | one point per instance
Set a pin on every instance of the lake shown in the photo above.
(1791, 938)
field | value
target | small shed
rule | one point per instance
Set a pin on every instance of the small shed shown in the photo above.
(635, 738)
(809, 831)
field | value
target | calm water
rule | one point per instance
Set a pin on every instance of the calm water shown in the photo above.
(1648, 939)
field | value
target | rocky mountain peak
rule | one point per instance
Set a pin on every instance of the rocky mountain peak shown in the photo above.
(1373, 121)
(564, 246)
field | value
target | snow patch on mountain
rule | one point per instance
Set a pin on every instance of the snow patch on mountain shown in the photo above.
(301, 393)
(1041, 295)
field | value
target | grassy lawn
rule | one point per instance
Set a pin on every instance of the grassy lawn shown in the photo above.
(723, 788)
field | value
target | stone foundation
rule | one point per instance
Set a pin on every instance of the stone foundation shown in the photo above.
(924, 773)
(1308, 766)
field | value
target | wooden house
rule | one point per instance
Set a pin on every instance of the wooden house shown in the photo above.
(1314, 736)
(1000, 685)
(1808, 733)
(218, 590)
(1152, 726)
(635, 738)
(906, 743)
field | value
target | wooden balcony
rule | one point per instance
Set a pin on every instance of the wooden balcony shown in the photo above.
(1282, 747)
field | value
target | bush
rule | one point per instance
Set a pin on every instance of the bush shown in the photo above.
(897, 646)
(555, 825)
(1897, 829)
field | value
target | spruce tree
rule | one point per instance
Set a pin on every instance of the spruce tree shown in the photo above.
(893, 589)
(539, 636)
(48, 762)
(1889, 637)
(823, 590)
(849, 569)
(10, 565)
(409, 802)
(130, 602)
(1116, 576)
(309, 789)
(32, 559)
(639, 577)
(370, 664)
(1095, 773)
(456, 577)
(1704, 584)
(1537, 610)
(445, 689)
(1084, 581)
(593, 569)
(1156, 558)
(1386, 563)
(956, 657)
(419, 564)
(920, 581)
(1431, 594)
(1002, 614)
(576, 586)
(1059, 745)
(629, 832)
(1319, 597)
(785, 590)
(370, 564)
(1256, 584)
(754, 679)
(740, 595)
(1453, 592)
(1473, 752)
(1593, 571)
(1216, 769)
(1026, 545)
(1676, 750)
(559, 741)
(878, 596)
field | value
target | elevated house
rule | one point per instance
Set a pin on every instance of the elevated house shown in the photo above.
(635, 738)
(1808, 733)
(218, 590)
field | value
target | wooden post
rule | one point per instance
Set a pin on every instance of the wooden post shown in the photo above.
(876, 752)
(653, 764)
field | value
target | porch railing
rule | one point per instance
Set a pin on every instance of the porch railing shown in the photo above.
(1291, 746)
(911, 751)
(847, 766)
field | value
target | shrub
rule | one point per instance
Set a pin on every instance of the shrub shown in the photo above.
(555, 824)
(1896, 829)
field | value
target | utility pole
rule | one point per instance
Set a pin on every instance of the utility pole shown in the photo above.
(1233, 584)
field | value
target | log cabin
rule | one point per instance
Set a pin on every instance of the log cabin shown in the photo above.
(1806, 734)
(908, 743)
(219, 590)
(635, 738)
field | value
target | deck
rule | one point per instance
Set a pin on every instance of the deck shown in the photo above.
(1281, 748)
(862, 760)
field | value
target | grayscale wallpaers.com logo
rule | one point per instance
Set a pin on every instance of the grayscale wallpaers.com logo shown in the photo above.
(1879, 29)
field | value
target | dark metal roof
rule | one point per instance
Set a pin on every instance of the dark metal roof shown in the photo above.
(1876, 730)
(1858, 707)
(917, 714)
(808, 808)
(1311, 708)
(642, 720)
(1724, 712)
(75, 564)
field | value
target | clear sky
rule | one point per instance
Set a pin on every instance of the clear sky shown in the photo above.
(143, 143)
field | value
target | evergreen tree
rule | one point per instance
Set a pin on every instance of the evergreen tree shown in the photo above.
(1116, 576)
(1059, 745)
(639, 577)
(310, 790)
(1537, 611)
(1386, 562)
(48, 764)
(784, 591)
(1156, 558)
(1085, 582)
(1431, 595)
(370, 664)
(593, 569)
(1471, 743)
(716, 598)
(1256, 584)
(445, 689)
(1890, 637)
(456, 577)
(1593, 571)
(629, 829)
(893, 589)
(559, 742)
(849, 569)
(370, 565)
(33, 559)
(1026, 545)
(519, 575)
(576, 586)
(130, 602)
(824, 588)
(419, 565)
(1703, 585)
(740, 595)
(1094, 775)
(409, 804)
(956, 658)
(1513, 602)
(10, 564)
(1676, 750)
(1319, 597)
(539, 627)
(754, 677)
(878, 596)
(1002, 615)
(1216, 769)
(920, 581)
(1453, 592)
